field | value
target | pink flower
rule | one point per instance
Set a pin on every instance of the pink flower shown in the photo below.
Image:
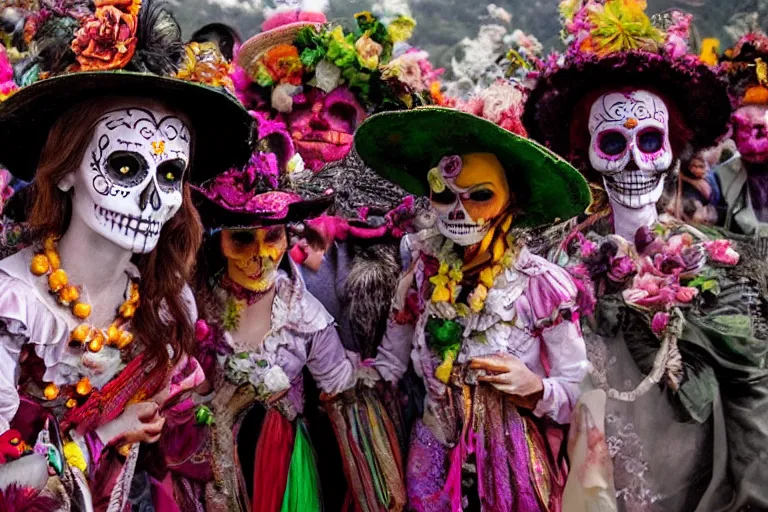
(202, 330)
(686, 294)
(450, 166)
(720, 251)
(651, 292)
(621, 269)
(659, 322)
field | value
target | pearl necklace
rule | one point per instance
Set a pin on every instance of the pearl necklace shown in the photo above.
(91, 338)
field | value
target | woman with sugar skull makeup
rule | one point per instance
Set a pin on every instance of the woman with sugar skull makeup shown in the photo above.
(96, 322)
(743, 177)
(475, 311)
(262, 330)
(674, 413)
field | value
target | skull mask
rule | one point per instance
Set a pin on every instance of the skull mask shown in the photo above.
(253, 256)
(129, 183)
(750, 133)
(468, 193)
(323, 127)
(630, 146)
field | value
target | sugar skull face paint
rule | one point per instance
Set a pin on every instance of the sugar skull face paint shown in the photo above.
(253, 256)
(323, 127)
(129, 183)
(750, 133)
(468, 194)
(630, 146)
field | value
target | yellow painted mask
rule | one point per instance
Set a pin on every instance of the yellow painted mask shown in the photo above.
(253, 256)
(469, 193)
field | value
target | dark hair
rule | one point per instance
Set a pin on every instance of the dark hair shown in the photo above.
(164, 271)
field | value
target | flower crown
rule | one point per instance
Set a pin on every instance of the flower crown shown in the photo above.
(747, 66)
(135, 35)
(367, 60)
(603, 27)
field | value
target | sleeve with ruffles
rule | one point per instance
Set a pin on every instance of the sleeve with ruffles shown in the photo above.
(23, 319)
(548, 308)
(328, 363)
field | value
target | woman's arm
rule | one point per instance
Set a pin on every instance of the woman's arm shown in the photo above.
(567, 355)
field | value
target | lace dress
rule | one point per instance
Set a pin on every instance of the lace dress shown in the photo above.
(509, 453)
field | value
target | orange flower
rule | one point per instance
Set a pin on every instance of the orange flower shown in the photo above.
(284, 64)
(204, 63)
(107, 40)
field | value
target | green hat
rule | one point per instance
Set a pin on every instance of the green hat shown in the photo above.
(403, 146)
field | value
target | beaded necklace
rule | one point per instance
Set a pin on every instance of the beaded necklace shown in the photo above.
(86, 335)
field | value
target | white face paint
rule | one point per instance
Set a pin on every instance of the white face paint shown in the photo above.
(630, 146)
(129, 183)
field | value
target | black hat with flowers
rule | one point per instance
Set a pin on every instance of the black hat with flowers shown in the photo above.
(119, 48)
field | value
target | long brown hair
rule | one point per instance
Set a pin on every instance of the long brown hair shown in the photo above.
(164, 271)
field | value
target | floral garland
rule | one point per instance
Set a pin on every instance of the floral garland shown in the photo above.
(664, 272)
(444, 272)
(366, 60)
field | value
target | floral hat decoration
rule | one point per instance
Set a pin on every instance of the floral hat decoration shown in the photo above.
(373, 60)
(746, 66)
(613, 43)
(263, 192)
(74, 50)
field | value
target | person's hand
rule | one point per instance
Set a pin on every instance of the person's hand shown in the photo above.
(510, 375)
(139, 423)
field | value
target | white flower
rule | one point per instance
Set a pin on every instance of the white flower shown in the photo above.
(295, 164)
(499, 98)
(282, 97)
(327, 76)
(275, 380)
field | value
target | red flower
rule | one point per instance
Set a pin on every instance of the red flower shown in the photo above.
(107, 39)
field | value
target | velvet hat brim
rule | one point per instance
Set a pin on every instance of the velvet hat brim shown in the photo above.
(697, 90)
(222, 126)
(403, 146)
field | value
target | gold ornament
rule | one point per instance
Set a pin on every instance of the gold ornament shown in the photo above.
(84, 388)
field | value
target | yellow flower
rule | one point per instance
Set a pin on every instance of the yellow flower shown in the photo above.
(456, 274)
(443, 372)
(622, 25)
(435, 180)
(488, 275)
(337, 34)
(364, 17)
(401, 28)
(441, 293)
(74, 456)
(368, 52)
(477, 298)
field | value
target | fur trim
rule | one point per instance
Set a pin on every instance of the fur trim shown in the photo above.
(369, 289)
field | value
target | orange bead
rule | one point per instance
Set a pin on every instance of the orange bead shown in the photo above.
(113, 335)
(40, 265)
(57, 280)
(50, 243)
(81, 333)
(127, 310)
(51, 392)
(69, 294)
(53, 259)
(84, 387)
(81, 310)
(96, 344)
(126, 338)
(71, 403)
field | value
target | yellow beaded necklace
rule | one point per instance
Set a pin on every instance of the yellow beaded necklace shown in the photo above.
(88, 336)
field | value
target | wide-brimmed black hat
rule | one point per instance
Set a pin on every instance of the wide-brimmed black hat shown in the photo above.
(222, 126)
